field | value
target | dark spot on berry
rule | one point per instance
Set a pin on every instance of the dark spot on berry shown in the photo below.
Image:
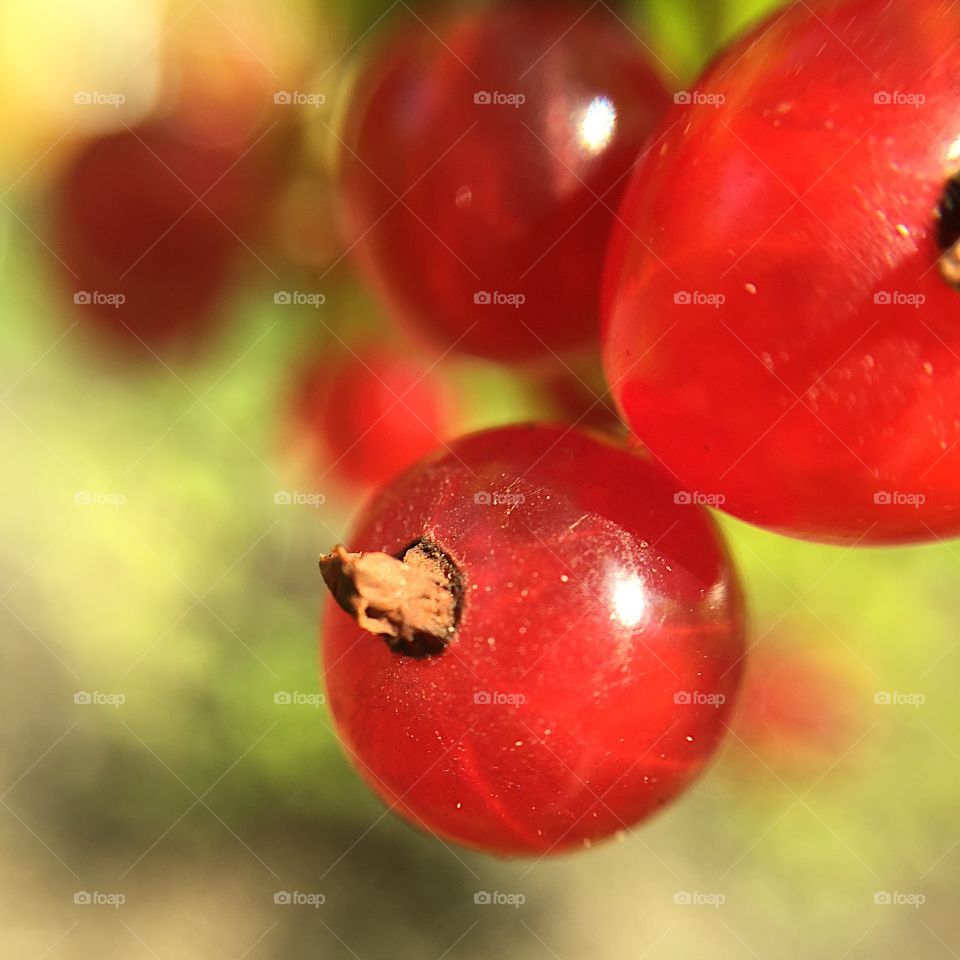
(426, 644)
(948, 214)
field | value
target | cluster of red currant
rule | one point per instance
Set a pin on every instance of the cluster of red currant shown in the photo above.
(546, 632)
(559, 631)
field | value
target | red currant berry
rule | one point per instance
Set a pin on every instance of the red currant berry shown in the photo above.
(799, 711)
(563, 641)
(368, 415)
(780, 317)
(482, 165)
(146, 227)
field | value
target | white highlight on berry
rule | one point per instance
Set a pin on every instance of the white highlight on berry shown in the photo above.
(629, 601)
(597, 124)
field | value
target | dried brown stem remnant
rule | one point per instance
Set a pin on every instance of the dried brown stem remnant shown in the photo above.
(948, 231)
(950, 265)
(412, 602)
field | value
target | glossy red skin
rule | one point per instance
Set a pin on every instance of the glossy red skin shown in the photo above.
(127, 221)
(496, 198)
(599, 743)
(802, 401)
(369, 415)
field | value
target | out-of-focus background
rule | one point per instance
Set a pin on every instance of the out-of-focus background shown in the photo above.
(170, 783)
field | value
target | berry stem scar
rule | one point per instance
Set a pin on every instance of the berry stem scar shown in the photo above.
(411, 600)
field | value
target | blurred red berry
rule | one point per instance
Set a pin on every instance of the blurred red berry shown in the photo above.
(146, 228)
(483, 162)
(366, 415)
(798, 712)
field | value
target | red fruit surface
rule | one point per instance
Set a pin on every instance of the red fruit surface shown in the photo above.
(128, 221)
(594, 608)
(450, 198)
(776, 329)
(368, 415)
